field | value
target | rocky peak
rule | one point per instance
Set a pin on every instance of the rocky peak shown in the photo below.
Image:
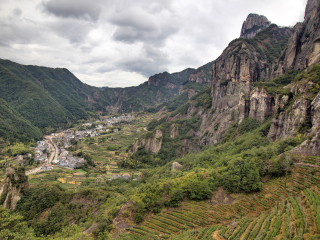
(253, 24)
(311, 9)
(15, 185)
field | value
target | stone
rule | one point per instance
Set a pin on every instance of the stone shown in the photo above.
(152, 144)
(15, 185)
(253, 24)
(176, 166)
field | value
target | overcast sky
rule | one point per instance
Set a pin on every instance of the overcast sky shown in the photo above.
(120, 43)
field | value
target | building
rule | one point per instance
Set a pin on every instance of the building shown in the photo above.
(126, 176)
(46, 167)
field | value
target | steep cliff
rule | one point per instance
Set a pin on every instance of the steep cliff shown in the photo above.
(151, 143)
(243, 62)
(15, 184)
(303, 48)
(253, 24)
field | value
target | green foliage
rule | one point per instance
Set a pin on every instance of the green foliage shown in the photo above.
(247, 125)
(204, 99)
(89, 159)
(13, 126)
(175, 198)
(113, 147)
(275, 86)
(19, 149)
(12, 226)
(37, 199)
(242, 175)
(198, 190)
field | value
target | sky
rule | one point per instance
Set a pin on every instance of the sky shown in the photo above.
(121, 43)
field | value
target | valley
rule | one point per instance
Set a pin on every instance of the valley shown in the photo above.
(228, 151)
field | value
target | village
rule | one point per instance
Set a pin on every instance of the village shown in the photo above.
(57, 144)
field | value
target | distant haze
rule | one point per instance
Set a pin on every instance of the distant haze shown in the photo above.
(121, 43)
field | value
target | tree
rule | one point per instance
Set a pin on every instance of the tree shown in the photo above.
(12, 226)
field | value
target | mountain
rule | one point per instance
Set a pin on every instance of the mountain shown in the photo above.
(13, 126)
(206, 117)
(238, 160)
(48, 98)
(253, 24)
(159, 88)
(274, 75)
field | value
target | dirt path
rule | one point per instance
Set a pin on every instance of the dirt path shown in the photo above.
(306, 165)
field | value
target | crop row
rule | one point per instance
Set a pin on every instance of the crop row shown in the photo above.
(189, 216)
(184, 219)
(168, 222)
(298, 213)
(155, 227)
(261, 202)
(178, 220)
(241, 230)
(314, 199)
(266, 226)
(163, 225)
(256, 230)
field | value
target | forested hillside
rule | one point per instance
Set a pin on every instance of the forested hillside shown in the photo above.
(230, 150)
(13, 126)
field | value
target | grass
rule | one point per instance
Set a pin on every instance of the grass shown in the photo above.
(81, 171)
(35, 180)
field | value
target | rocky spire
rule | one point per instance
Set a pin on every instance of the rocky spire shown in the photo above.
(311, 8)
(253, 24)
(15, 185)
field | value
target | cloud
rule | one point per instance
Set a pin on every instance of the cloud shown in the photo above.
(122, 43)
(147, 62)
(78, 9)
(135, 24)
(71, 29)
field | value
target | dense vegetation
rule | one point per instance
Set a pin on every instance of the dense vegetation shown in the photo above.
(14, 127)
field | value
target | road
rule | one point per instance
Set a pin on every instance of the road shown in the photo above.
(55, 152)
(53, 155)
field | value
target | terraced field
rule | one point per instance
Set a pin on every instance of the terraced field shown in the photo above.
(283, 210)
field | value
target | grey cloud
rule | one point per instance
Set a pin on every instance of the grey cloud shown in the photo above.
(150, 62)
(79, 9)
(72, 30)
(17, 12)
(137, 25)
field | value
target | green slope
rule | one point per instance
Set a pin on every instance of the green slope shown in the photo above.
(13, 126)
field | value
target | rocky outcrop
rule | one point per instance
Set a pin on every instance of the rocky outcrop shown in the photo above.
(152, 144)
(287, 123)
(253, 24)
(15, 185)
(289, 118)
(175, 166)
(174, 131)
(262, 105)
(312, 146)
(199, 77)
(303, 48)
(233, 96)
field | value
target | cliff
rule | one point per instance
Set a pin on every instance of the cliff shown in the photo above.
(234, 73)
(152, 143)
(253, 24)
(303, 48)
(15, 185)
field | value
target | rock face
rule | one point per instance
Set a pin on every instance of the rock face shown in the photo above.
(15, 184)
(175, 166)
(303, 49)
(312, 146)
(253, 24)
(152, 144)
(174, 131)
